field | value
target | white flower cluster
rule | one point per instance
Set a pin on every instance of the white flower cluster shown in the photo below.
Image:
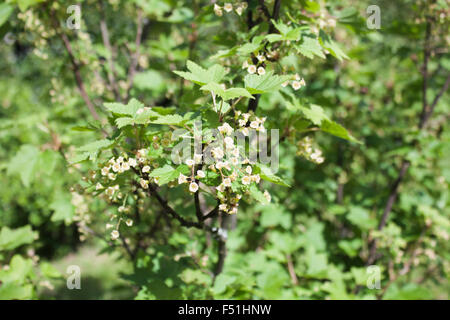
(82, 216)
(258, 68)
(234, 170)
(116, 166)
(228, 7)
(297, 83)
(247, 121)
(306, 149)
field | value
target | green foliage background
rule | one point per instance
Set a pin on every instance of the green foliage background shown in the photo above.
(313, 241)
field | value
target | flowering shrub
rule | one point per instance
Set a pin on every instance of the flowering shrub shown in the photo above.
(205, 143)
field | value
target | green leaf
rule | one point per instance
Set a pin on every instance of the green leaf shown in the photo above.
(24, 163)
(25, 4)
(14, 238)
(91, 150)
(257, 194)
(361, 218)
(167, 173)
(12, 291)
(310, 47)
(337, 130)
(62, 207)
(256, 84)
(129, 109)
(202, 76)
(332, 46)
(171, 119)
(266, 174)
(228, 93)
(5, 12)
(314, 113)
(49, 271)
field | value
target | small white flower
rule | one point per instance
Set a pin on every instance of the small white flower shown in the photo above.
(218, 10)
(146, 169)
(229, 141)
(233, 210)
(201, 173)
(223, 207)
(129, 222)
(261, 58)
(111, 176)
(227, 182)
(261, 71)
(242, 122)
(218, 153)
(239, 10)
(267, 196)
(302, 82)
(109, 226)
(105, 171)
(228, 7)
(190, 162)
(297, 77)
(234, 161)
(256, 178)
(254, 124)
(225, 129)
(116, 167)
(245, 65)
(125, 166)
(246, 180)
(198, 158)
(182, 178)
(115, 234)
(98, 186)
(248, 169)
(193, 187)
(219, 165)
(296, 85)
(120, 159)
(221, 188)
(284, 84)
(246, 116)
(245, 131)
(132, 162)
(144, 183)
(251, 69)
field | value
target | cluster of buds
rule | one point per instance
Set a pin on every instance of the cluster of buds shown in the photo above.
(116, 166)
(82, 217)
(247, 121)
(235, 172)
(228, 7)
(40, 32)
(326, 22)
(296, 83)
(306, 149)
(258, 68)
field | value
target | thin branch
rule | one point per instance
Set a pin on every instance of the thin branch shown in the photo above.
(78, 79)
(107, 44)
(171, 212)
(291, 270)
